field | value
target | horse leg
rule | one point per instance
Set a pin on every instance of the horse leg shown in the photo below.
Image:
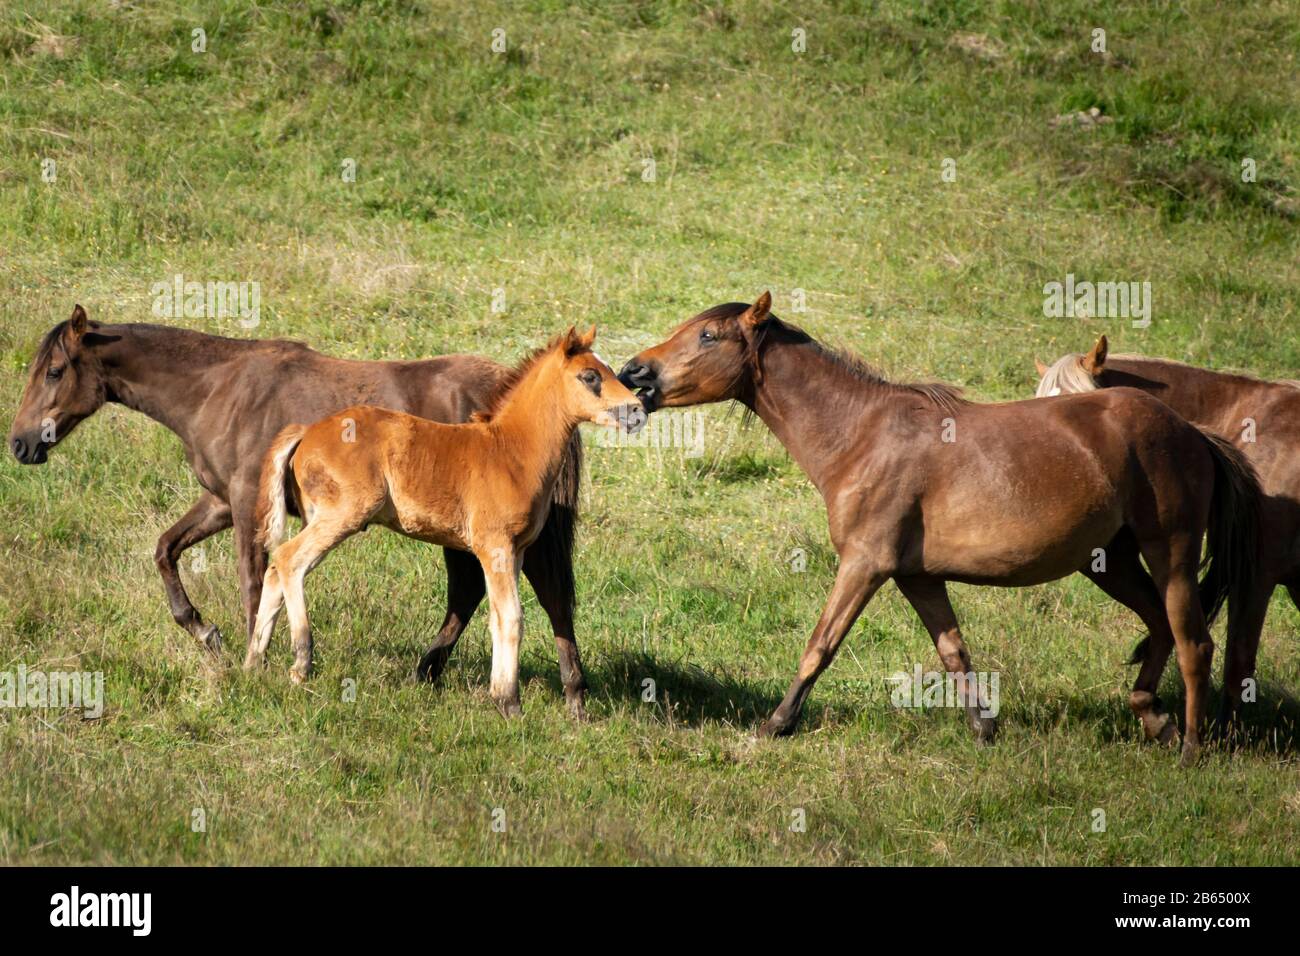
(1126, 581)
(1245, 625)
(501, 569)
(465, 589)
(1173, 564)
(267, 612)
(205, 518)
(929, 598)
(557, 601)
(855, 583)
(252, 566)
(294, 560)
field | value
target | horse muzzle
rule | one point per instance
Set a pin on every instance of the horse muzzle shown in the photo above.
(632, 418)
(644, 380)
(29, 451)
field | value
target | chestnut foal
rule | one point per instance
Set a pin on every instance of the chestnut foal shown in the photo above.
(483, 487)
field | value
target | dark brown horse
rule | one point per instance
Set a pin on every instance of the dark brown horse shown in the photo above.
(228, 398)
(1262, 419)
(925, 488)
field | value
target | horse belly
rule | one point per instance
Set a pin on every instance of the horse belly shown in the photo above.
(1013, 548)
(429, 518)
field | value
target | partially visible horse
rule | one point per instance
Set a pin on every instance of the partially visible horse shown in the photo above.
(483, 487)
(1262, 419)
(924, 488)
(226, 399)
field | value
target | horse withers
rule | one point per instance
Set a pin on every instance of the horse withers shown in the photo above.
(226, 399)
(924, 488)
(483, 487)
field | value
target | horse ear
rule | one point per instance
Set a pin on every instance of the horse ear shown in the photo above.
(575, 343)
(1038, 364)
(1095, 361)
(77, 324)
(759, 311)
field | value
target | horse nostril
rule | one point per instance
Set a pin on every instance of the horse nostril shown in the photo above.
(633, 417)
(634, 375)
(19, 449)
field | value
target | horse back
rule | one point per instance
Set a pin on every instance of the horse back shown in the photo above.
(287, 383)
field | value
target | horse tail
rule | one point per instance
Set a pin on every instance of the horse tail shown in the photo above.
(272, 505)
(554, 545)
(1232, 538)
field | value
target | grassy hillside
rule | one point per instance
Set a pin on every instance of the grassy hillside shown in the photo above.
(528, 171)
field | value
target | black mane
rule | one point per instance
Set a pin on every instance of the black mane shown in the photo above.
(947, 397)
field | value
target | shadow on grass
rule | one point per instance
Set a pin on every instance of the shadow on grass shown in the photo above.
(695, 696)
(683, 692)
(1269, 727)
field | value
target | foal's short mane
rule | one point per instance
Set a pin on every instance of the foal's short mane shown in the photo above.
(510, 381)
(947, 397)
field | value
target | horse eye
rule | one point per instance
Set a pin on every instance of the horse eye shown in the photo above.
(589, 376)
(706, 336)
(54, 373)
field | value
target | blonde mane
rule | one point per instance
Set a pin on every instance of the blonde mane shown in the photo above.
(1066, 376)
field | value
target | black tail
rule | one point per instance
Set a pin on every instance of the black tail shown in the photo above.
(1231, 539)
(555, 543)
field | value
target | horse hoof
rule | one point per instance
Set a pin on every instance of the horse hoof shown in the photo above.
(431, 665)
(985, 730)
(1191, 755)
(1167, 735)
(510, 708)
(773, 728)
(254, 661)
(1160, 728)
(210, 638)
(299, 675)
(577, 710)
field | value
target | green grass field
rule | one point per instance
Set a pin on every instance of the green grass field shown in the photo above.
(527, 171)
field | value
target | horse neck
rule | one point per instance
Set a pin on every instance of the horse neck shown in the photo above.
(158, 371)
(809, 403)
(533, 428)
(1199, 395)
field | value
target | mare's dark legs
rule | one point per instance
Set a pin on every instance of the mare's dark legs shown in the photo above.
(855, 583)
(465, 590)
(929, 598)
(205, 518)
(252, 565)
(557, 601)
(1126, 581)
(1245, 625)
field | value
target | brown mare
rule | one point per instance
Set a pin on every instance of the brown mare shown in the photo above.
(1262, 419)
(925, 488)
(483, 487)
(227, 398)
